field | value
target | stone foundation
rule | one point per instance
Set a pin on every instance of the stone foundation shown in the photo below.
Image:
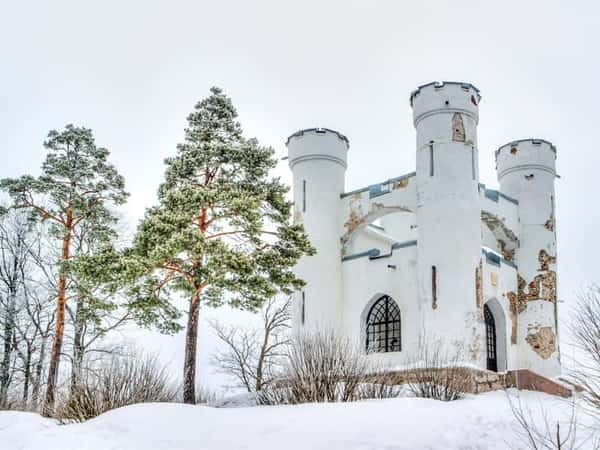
(477, 381)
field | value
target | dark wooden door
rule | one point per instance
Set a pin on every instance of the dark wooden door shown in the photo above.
(490, 337)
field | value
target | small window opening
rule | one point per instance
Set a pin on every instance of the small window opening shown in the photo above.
(433, 287)
(303, 195)
(431, 159)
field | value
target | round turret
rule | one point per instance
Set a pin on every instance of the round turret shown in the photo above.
(317, 158)
(460, 101)
(526, 155)
(448, 213)
(526, 172)
(317, 144)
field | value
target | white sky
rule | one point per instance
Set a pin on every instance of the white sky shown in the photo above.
(132, 71)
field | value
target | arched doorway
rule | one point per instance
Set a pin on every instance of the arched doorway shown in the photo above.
(490, 338)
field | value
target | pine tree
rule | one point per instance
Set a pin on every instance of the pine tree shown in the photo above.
(221, 233)
(76, 189)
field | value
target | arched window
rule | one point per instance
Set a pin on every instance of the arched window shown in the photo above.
(383, 326)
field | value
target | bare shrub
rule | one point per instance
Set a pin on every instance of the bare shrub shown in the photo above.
(327, 367)
(253, 356)
(438, 373)
(547, 433)
(585, 331)
(380, 383)
(121, 382)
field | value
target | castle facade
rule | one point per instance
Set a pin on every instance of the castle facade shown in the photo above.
(433, 254)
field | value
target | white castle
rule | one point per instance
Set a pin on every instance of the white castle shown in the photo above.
(434, 252)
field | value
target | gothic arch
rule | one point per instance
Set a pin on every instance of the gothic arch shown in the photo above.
(381, 325)
(499, 319)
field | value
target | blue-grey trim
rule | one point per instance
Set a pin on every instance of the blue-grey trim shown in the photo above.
(370, 188)
(374, 253)
(494, 195)
(369, 253)
(495, 259)
(440, 84)
(397, 245)
(534, 141)
(319, 131)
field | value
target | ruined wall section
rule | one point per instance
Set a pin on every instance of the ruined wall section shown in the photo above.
(526, 172)
(500, 217)
(379, 201)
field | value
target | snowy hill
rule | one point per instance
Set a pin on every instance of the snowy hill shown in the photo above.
(477, 422)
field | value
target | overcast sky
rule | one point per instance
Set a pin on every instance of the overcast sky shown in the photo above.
(133, 70)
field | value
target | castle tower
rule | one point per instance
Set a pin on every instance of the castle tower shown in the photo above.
(445, 117)
(317, 159)
(526, 172)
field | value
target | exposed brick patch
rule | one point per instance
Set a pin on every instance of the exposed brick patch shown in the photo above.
(401, 184)
(542, 340)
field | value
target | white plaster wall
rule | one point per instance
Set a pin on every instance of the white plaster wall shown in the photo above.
(367, 239)
(488, 239)
(401, 226)
(366, 280)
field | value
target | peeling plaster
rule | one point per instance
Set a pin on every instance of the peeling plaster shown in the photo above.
(542, 287)
(517, 306)
(401, 184)
(458, 128)
(549, 225)
(545, 260)
(542, 340)
(506, 253)
(479, 285)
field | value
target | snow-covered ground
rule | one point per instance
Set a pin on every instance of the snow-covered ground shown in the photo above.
(477, 422)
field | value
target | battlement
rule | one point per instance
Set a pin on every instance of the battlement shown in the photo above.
(317, 144)
(439, 85)
(318, 130)
(532, 141)
(526, 154)
(445, 97)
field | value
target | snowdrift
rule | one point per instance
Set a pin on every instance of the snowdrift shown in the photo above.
(476, 422)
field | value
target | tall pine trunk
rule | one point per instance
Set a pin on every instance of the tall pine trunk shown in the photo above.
(191, 342)
(61, 306)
